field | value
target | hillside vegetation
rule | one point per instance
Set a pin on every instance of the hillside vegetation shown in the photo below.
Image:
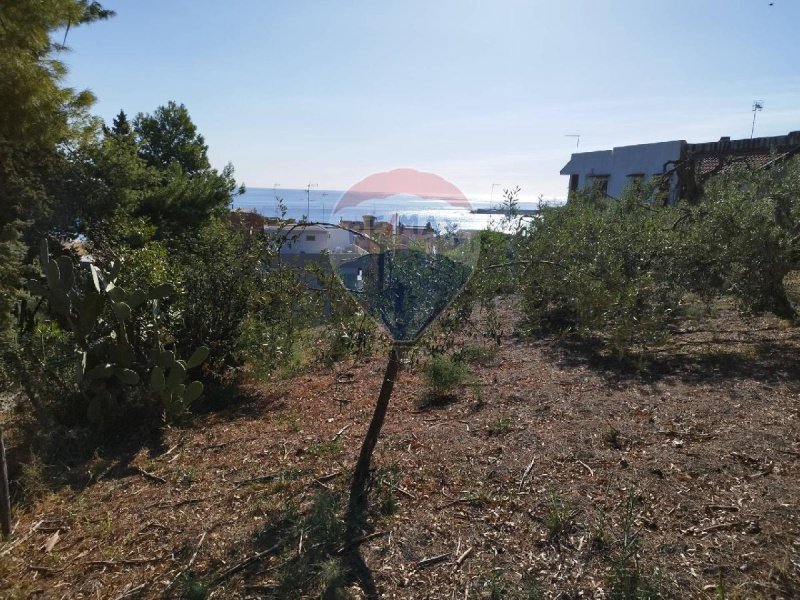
(608, 409)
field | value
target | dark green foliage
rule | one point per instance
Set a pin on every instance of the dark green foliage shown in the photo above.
(628, 580)
(443, 376)
(168, 136)
(40, 118)
(114, 337)
(744, 237)
(220, 271)
(602, 266)
(620, 269)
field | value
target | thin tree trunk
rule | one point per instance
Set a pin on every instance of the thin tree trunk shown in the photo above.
(357, 509)
(5, 496)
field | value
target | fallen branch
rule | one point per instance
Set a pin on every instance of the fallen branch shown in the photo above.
(328, 477)
(360, 540)
(587, 467)
(123, 561)
(405, 493)
(131, 591)
(463, 557)
(18, 541)
(433, 560)
(44, 569)
(525, 474)
(259, 479)
(189, 564)
(244, 563)
(340, 432)
(452, 502)
(149, 475)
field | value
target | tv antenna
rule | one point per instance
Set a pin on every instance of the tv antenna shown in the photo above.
(491, 195)
(758, 106)
(577, 137)
(308, 200)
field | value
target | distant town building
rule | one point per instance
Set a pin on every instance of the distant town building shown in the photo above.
(678, 167)
(310, 239)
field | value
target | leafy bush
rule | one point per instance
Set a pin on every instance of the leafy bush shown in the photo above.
(602, 266)
(744, 237)
(105, 339)
(443, 376)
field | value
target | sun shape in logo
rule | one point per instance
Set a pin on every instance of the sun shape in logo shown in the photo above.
(406, 182)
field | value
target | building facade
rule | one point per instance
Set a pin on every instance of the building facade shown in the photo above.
(679, 168)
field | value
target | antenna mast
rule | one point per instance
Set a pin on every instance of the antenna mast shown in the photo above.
(577, 137)
(758, 105)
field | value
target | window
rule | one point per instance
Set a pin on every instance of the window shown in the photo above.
(636, 179)
(598, 182)
(573, 182)
(311, 238)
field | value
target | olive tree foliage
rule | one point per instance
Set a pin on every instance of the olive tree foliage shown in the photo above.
(743, 238)
(599, 265)
(621, 269)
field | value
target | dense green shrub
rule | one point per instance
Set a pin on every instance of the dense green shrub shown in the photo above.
(621, 268)
(102, 345)
(443, 376)
(599, 265)
(744, 237)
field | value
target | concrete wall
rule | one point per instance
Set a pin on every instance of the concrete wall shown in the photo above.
(621, 162)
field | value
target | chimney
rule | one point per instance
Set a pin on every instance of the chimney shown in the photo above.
(369, 224)
(725, 139)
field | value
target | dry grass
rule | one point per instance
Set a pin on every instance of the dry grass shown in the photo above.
(679, 480)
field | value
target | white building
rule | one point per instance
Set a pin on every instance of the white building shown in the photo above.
(311, 239)
(681, 167)
(613, 170)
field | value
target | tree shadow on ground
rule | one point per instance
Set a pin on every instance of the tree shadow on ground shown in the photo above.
(300, 553)
(75, 457)
(690, 361)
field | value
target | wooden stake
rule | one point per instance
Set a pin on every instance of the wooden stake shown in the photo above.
(5, 496)
(357, 508)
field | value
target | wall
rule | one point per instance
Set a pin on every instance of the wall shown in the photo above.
(619, 163)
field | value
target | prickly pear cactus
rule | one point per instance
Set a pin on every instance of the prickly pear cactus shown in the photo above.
(107, 340)
(168, 380)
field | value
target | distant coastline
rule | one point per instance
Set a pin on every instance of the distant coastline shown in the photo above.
(318, 205)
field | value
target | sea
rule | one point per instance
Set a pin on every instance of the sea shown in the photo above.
(320, 206)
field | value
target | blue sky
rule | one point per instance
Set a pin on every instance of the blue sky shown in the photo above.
(330, 91)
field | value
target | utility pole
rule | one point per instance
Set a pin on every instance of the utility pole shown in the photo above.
(308, 200)
(758, 105)
(491, 196)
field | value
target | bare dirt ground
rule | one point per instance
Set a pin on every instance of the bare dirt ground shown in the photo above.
(562, 473)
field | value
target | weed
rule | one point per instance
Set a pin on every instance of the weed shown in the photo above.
(500, 426)
(497, 589)
(614, 439)
(189, 475)
(32, 478)
(333, 576)
(443, 376)
(478, 395)
(384, 484)
(194, 589)
(627, 580)
(599, 538)
(328, 448)
(531, 588)
(558, 515)
(291, 420)
(322, 533)
(477, 353)
(480, 497)
(325, 529)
